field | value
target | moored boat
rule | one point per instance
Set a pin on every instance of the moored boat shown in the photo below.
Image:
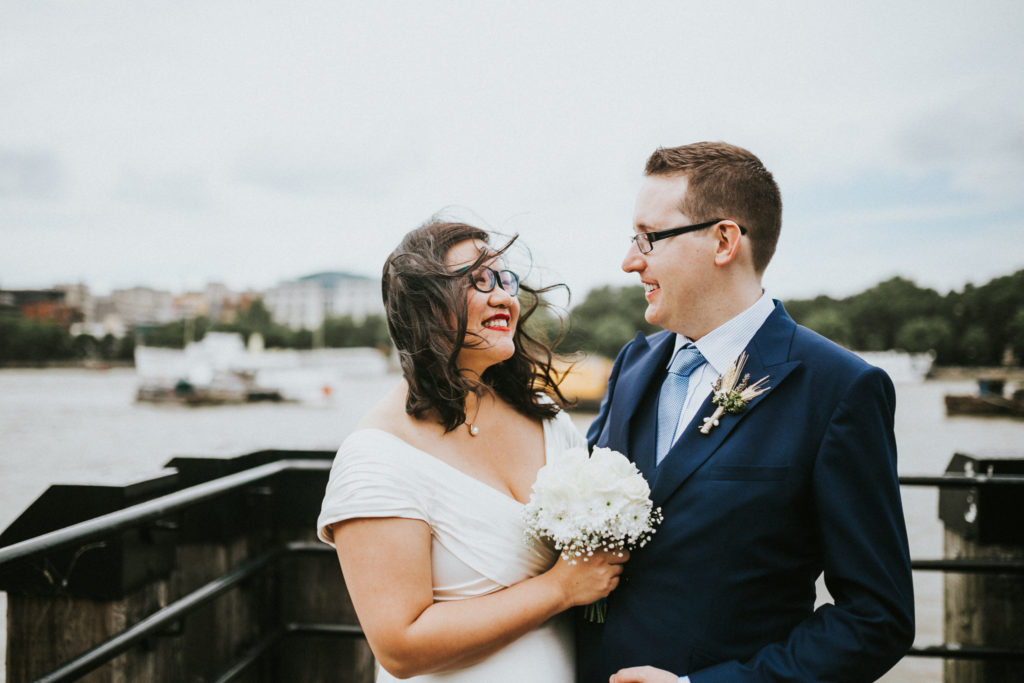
(220, 369)
(990, 400)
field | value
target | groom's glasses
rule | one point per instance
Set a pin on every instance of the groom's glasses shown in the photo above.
(644, 241)
(484, 280)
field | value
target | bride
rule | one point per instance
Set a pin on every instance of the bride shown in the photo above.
(425, 497)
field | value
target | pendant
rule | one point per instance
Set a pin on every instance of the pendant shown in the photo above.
(473, 429)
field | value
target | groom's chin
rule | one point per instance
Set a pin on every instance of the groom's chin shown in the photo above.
(651, 315)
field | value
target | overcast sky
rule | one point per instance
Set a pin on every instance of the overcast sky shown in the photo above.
(174, 143)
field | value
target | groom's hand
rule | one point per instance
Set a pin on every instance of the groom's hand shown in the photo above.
(643, 674)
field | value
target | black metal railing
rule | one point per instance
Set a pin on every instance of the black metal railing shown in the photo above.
(164, 619)
(966, 566)
(137, 515)
(162, 507)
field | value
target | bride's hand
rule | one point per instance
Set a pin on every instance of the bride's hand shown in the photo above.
(585, 582)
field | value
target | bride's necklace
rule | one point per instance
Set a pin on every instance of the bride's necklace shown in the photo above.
(474, 429)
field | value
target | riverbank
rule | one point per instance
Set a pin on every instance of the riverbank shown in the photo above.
(950, 373)
(83, 364)
(970, 373)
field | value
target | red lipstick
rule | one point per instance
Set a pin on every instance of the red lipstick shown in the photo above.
(502, 320)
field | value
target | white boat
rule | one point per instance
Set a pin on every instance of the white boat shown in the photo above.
(220, 369)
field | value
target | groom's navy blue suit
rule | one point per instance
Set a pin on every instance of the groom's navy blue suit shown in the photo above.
(803, 481)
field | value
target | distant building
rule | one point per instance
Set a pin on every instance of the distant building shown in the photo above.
(300, 303)
(191, 305)
(215, 301)
(143, 306)
(220, 300)
(94, 315)
(43, 305)
(305, 302)
(77, 297)
(296, 304)
(104, 319)
(9, 304)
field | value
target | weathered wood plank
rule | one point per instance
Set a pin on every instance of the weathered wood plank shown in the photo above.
(983, 609)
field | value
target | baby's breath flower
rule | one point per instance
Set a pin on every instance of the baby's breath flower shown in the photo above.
(586, 503)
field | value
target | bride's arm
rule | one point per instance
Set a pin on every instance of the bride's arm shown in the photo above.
(386, 564)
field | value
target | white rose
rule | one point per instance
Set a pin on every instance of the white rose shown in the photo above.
(635, 488)
(615, 461)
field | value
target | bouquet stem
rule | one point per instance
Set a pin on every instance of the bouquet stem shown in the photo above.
(595, 612)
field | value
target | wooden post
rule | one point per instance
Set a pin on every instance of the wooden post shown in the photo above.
(311, 590)
(43, 632)
(62, 605)
(983, 609)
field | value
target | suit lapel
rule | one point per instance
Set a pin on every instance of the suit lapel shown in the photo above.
(644, 362)
(767, 357)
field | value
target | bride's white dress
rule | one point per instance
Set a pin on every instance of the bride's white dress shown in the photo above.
(478, 544)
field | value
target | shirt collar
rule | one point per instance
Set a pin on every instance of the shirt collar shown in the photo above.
(723, 345)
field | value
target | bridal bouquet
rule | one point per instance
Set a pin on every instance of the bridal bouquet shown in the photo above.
(583, 504)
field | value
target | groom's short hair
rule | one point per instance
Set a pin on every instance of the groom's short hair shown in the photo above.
(726, 181)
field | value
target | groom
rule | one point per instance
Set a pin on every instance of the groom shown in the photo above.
(799, 480)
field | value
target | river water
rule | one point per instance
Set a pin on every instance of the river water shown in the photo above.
(82, 426)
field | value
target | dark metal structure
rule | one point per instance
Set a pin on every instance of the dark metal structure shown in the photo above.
(218, 559)
(209, 571)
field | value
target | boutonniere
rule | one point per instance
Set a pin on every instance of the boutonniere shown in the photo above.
(731, 397)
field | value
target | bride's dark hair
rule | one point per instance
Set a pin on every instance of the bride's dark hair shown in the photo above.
(425, 305)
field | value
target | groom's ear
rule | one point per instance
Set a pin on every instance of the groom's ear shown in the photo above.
(727, 248)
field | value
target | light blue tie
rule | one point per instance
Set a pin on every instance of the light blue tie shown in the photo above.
(673, 396)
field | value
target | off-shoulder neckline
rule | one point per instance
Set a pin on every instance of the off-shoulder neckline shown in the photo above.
(462, 473)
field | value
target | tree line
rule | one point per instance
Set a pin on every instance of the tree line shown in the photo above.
(979, 325)
(32, 341)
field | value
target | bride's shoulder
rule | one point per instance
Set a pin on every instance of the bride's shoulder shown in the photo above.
(389, 410)
(384, 432)
(376, 452)
(387, 416)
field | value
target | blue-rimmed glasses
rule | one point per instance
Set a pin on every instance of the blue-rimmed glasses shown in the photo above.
(644, 241)
(484, 279)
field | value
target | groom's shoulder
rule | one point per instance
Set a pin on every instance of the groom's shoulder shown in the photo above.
(780, 333)
(822, 354)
